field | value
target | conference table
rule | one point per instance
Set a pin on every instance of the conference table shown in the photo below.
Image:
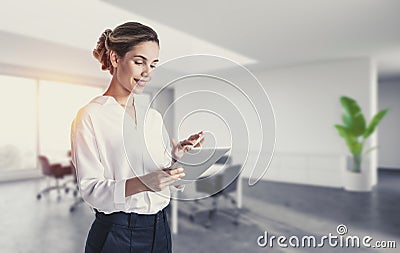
(175, 206)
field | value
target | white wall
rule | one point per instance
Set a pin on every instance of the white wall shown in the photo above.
(306, 102)
(306, 106)
(389, 129)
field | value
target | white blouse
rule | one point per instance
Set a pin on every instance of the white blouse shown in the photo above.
(107, 148)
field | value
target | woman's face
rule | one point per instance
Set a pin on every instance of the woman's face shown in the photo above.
(134, 70)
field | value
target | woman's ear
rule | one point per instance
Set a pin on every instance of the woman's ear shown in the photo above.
(114, 58)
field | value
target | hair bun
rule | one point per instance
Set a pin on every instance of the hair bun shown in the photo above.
(101, 50)
(121, 40)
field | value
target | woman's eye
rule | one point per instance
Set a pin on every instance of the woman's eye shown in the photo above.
(138, 62)
(153, 66)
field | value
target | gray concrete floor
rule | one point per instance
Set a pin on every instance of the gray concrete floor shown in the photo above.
(29, 225)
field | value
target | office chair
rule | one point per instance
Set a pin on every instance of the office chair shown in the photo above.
(56, 171)
(219, 185)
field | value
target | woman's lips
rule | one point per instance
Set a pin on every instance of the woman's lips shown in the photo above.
(141, 82)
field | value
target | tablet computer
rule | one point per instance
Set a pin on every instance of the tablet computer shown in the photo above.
(198, 160)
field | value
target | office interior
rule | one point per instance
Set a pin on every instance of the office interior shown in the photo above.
(293, 59)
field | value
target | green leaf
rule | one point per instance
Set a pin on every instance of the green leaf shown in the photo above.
(354, 119)
(357, 125)
(354, 145)
(352, 142)
(342, 131)
(374, 122)
(346, 120)
(350, 105)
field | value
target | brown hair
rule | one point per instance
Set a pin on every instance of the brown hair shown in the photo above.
(122, 39)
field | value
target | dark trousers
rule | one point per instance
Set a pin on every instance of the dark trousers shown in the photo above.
(129, 232)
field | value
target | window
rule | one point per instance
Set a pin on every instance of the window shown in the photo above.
(18, 142)
(36, 117)
(59, 103)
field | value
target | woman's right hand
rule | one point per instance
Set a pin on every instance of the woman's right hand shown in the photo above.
(157, 180)
(179, 148)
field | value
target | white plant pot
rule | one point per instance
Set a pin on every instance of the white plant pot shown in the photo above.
(360, 182)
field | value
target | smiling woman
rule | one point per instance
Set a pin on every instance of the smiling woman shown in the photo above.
(134, 67)
(128, 192)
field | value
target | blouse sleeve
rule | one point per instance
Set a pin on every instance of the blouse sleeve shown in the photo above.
(106, 195)
(168, 156)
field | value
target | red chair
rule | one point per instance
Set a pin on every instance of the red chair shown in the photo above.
(56, 171)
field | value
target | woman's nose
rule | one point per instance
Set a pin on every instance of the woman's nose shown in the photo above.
(145, 71)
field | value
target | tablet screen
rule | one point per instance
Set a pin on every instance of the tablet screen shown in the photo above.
(198, 160)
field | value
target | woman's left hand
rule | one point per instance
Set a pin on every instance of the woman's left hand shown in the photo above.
(178, 149)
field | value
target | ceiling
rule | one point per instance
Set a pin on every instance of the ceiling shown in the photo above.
(259, 34)
(285, 32)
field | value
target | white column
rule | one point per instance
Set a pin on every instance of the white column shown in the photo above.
(174, 213)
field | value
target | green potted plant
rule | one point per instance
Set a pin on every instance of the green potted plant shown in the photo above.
(355, 131)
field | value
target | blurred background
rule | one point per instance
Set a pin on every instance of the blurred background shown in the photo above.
(305, 55)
